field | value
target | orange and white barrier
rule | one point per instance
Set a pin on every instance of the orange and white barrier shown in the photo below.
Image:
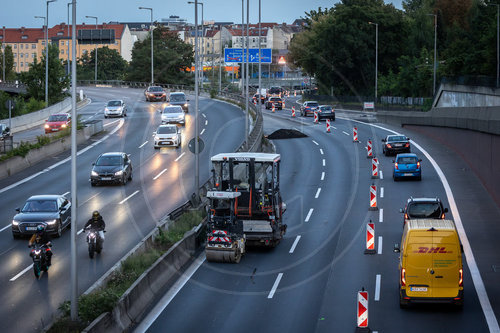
(328, 126)
(293, 111)
(362, 313)
(374, 168)
(370, 238)
(316, 117)
(369, 149)
(273, 108)
(355, 134)
(295, 93)
(373, 197)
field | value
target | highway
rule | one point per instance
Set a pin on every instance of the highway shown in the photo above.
(309, 282)
(162, 180)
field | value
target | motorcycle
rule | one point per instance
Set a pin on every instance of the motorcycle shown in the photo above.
(94, 241)
(40, 260)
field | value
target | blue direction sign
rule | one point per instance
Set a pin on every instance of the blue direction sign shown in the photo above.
(236, 55)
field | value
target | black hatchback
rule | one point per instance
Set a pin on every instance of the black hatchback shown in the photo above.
(51, 210)
(395, 144)
(423, 208)
(113, 167)
(326, 112)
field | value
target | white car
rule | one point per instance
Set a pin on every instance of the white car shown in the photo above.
(167, 135)
(173, 114)
(116, 108)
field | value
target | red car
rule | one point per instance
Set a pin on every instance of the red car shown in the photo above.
(57, 122)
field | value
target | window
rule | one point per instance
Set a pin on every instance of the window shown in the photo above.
(26, 64)
(26, 55)
(15, 46)
(62, 51)
(21, 55)
(33, 46)
(33, 55)
(60, 33)
(24, 37)
(43, 43)
(22, 44)
(22, 64)
(62, 43)
(15, 55)
(15, 64)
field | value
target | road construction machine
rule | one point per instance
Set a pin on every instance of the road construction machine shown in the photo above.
(245, 205)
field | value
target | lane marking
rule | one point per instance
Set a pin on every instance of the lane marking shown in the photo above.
(21, 273)
(484, 300)
(275, 285)
(130, 196)
(346, 133)
(317, 193)
(204, 116)
(377, 288)
(309, 215)
(158, 175)
(324, 162)
(64, 194)
(294, 245)
(321, 151)
(7, 226)
(380, 239)
(381, 215)
(317, 144)
(143, 144)
(202, 131)
(79, 232)
(206, 122)
(381, 192)
(178, 158)
(381, 174)
(322, 175)
(334, 127)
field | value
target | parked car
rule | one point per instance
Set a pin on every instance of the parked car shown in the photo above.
(394, 144)
(308, 107)
(407, 165)
(173, 114)
(276, 101)
(114, 167)
(4, 131)
(57, 122)
(167, 135)
(116, 108)
(51, 210)
(179, 98)
(326, 112)
(155, 93)
(423, 208)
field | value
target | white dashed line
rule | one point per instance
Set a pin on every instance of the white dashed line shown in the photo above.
(377, 288)
(323, 175)
(158, 175)
(309, 215)
(321, 151)
(21, 273)
(294, 245)
(206, 122)
(379, 245)
(381, 174)
(381, 192)
(381, 215)
(346, 133)
(334, 127)
(180, 156)
(143, 144)
(317, 193)
(202, 131)
(275, 285)
(130, 196)
(317, 144)
(79, 231)
(204, 116)
(64, 194)
(6, 227)
(324, 162)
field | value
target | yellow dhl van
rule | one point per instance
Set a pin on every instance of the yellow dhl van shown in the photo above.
(430, 265)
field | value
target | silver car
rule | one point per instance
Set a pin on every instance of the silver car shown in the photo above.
(116, 108)
(167, 135)
(173, 114)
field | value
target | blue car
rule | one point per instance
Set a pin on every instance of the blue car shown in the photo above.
(407, 165)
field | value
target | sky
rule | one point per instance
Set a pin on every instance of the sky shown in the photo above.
(14, 14)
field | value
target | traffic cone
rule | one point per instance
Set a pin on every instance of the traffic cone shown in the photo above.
(370, 238)
(369, 149)
(273, 109)
(355, 134)
(293, 111)
(316, 117)
(328, 126)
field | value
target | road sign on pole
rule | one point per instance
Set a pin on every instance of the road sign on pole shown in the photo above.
(236, 55)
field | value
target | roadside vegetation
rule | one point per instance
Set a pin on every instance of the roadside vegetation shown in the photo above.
(104, 299)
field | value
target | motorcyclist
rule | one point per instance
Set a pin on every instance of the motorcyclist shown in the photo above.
(43, 238)
(96, 223)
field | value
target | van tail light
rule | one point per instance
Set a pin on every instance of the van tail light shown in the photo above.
(460, 277)
(396, 166)
(407, 145)
(442, 216)
(403, 277)
(418, 165)
(406, 216)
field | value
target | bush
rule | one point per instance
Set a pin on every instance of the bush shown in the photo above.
(34, 105)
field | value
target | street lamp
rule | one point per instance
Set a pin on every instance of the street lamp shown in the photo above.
(95, 71)
(47, 55)
(151, 32)
(202, 38)
(376, 57)
(435, 53)
(67, 55)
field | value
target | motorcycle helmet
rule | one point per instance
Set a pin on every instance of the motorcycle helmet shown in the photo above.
(40, 228)
(95, 214)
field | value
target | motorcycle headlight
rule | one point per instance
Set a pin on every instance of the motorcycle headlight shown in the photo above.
(37, 252)
(119, 173)
(93, 173)
(51, 222)
(14, 222)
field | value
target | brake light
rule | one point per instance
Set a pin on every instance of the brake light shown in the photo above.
(406, 216)
(407, 144)
(403, 277)
(396, 166)
(388, 146)
(442, 216)
(418, 165)
(460, 277)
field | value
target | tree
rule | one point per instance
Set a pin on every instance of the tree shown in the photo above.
(34, 79)
(10, 74)
(110, 65)
(171, 59)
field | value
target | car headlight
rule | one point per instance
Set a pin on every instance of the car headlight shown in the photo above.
(186, 104)
(47, 126)
(64, 125)
(51, 222)
(15, 222)
(119, 109)
(93, 173)
(119, 173)
(106, 109)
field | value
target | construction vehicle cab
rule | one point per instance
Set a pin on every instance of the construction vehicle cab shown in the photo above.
(249, 184)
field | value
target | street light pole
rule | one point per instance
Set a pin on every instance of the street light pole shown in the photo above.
(220, 58)
(3, 55)
(151, 32)
(376, 58)
(47, 55)
(67, 55)
(260, 63)
(196, 3)
(435, 53)
(95, 70)
(247, 78)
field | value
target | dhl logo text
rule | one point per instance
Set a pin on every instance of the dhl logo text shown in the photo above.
(423, 249)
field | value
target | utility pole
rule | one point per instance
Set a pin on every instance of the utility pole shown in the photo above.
(151, 33)
(67, 55)
(47, 55)
(95, 70)
(220, 58)
(3, 55)
(247, 79)
(260, 64)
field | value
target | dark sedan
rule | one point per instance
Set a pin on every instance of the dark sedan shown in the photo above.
(326, 112)
(308, 107)
(113, 167)
(51, 210)
(179, 98)
(394, 144)
(276, 101)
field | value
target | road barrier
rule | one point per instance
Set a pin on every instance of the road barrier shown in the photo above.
(370, 238)
(355, 134)
(362, 312)
(373, 197)
(328, 126)
(315, 117)
(369, 149)
(375, 168)
(295, 93)
(293, 111)
(273, 109)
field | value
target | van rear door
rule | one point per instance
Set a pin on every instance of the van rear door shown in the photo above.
(446, 263)
(418, 265)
